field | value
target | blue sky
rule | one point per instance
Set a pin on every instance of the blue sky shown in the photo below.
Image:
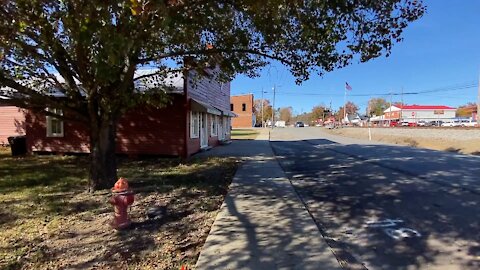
(440, 51)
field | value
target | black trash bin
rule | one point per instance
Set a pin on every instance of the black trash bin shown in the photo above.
(18, 144)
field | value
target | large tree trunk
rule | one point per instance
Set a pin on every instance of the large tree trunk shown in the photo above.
(103, 165)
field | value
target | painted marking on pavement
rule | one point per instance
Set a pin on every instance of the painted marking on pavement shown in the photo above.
(395, 233)
(402, 233)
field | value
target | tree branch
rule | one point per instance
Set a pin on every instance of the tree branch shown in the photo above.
(215, 51)
(27, 94)
(156, 73)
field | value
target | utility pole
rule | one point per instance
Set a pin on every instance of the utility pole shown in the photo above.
(401, 109)
(262, 109)
(478, 102)
(273, 108)
(391, 104)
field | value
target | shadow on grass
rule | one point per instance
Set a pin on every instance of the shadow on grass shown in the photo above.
(59, 174)
(199, 173)
(35, 190)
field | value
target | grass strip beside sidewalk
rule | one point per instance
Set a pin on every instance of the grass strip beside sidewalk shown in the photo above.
(49, 221)
(244, 134)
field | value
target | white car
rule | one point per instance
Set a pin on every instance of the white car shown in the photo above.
(455, 123)
(469, 123)
(421, 123)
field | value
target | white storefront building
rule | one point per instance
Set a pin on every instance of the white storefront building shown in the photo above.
(415, 113)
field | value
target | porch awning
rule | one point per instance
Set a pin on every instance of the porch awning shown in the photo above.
(200, 106)
(227, 113)
(231, 114)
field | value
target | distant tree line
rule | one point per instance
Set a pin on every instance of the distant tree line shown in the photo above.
(375, 107)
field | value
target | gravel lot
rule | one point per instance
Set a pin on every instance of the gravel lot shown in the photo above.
(441, 133)
(465, 141)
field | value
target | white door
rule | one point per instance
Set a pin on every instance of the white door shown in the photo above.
(203, 130)
(221, 135)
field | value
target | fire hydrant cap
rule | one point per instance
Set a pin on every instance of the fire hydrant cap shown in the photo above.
(120, 185)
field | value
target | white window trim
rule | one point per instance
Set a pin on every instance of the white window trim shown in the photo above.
(193, 116)
(214, 126)
(227, 125)
(49, 124)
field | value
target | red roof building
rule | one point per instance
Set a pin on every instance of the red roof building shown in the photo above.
(425, 107)
(415, 113)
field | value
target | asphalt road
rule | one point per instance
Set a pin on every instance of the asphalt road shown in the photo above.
(382, 206)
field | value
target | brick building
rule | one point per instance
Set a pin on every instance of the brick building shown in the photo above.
(242, 106)
(198, 117)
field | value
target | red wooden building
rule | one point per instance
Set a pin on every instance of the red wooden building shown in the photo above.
(198, 117)
(12, 121)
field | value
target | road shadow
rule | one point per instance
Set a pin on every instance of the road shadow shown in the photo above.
(350, 189)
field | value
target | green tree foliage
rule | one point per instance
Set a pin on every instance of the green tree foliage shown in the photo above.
(376, 106)
(89, 50)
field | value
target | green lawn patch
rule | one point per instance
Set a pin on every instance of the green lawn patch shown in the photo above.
(49, 221)
(244, 134)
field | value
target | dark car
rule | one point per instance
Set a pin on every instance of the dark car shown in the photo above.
(299, 124)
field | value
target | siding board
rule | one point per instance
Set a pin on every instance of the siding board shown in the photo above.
(12, 122)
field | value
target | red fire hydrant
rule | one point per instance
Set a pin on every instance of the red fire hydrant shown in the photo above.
(122, 198)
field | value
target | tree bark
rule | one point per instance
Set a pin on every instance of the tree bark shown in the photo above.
(103, 164)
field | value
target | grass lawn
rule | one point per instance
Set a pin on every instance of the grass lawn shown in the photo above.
(244, 134)
(49, 221)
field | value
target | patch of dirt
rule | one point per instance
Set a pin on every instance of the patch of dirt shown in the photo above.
(76, 232)
(453, 140)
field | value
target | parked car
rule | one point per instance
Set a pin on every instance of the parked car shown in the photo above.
(299, 124)
(469, 123)
(421, 123)
(393, 123)
(455, 123)
(437, 123)
(404, 124)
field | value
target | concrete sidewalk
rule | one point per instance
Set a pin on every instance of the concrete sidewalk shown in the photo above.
(263, 224)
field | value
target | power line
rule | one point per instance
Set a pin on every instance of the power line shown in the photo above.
(457, 87)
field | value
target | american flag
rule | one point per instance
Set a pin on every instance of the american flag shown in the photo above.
(348, 87)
